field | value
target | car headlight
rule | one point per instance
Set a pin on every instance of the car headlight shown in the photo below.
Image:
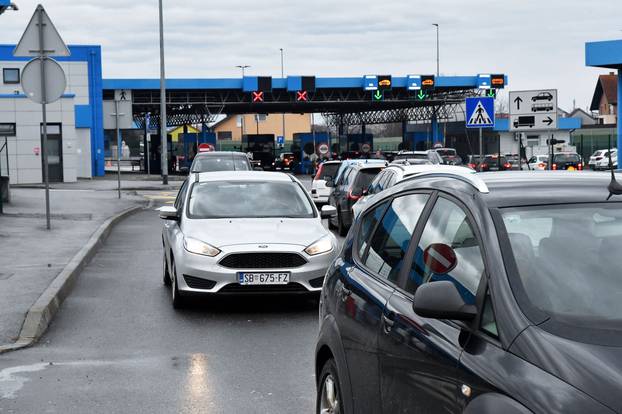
(198, 247)
(323, 245)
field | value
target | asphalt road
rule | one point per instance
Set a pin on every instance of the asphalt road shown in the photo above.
(117, 345)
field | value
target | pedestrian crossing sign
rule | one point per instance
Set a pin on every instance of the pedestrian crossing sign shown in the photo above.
(480, 112)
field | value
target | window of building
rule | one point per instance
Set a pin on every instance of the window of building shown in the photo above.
(390, 241)
(225, 135)
(10, 75)
(7, 130)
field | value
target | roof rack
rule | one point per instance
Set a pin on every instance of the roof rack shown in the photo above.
(469, 178)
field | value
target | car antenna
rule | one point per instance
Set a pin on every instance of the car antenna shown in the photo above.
(614, 187)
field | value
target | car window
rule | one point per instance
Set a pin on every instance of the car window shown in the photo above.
(376, 184)
(363, 178)
(488, 323)
(181, 196)
(329, 170)
(241, 163)
(448, 239)
(532, 160)
(367, 225)
(389, 243)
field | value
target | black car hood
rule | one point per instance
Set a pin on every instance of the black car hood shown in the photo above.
(594, 369)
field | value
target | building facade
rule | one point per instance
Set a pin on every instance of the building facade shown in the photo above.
(231, 128)
(75, 130)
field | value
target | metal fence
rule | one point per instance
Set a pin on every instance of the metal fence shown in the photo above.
(589, 140)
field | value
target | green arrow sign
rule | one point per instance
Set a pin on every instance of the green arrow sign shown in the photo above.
(378, 96)
(421, 95)
(491, 93)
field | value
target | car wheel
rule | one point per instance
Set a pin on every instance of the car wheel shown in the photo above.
(343, 231)
(329, 399)
(166, 277)
(176, 296)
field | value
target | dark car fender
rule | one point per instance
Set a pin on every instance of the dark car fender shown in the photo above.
(494, 403)
(329, 341)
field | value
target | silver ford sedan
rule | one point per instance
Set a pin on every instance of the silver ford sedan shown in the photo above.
(245, 232)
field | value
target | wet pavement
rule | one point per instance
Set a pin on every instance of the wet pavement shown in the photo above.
(118, 346)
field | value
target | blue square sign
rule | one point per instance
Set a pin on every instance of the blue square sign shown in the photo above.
(280, 140)
(480, 112)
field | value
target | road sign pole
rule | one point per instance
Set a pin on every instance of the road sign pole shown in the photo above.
(163, 140)
(119, 149)
(481, 150)
(44, 143)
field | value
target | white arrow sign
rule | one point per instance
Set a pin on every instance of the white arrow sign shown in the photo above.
(28, 45)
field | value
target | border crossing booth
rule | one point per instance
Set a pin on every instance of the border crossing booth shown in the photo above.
(189, 143)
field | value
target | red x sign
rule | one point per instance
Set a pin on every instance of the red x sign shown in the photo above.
(258, 96)
(302, 96)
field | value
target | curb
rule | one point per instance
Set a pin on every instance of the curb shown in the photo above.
(47, 305)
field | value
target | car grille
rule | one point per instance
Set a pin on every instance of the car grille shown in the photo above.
(199, 283)
(262, 260)
(288, 288)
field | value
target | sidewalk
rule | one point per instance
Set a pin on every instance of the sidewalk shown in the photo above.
(31, 256)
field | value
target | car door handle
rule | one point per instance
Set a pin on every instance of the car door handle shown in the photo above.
(344, 293)
(387, 323)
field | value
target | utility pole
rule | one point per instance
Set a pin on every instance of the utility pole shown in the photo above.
(282, 76)
(163, 140)
(437, 50)
(481, 150)
(242, 116)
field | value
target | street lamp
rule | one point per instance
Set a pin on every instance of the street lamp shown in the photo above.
(282, 76)
(7, 5)
(163, 140)
(242, 67)
(437, 58)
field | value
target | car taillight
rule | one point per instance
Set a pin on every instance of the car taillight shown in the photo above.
(471, 165)
(542, 165)
(554, 166)
(319, 172)
(482, 166)
(507, 165)
(353, 197)
(580, 166)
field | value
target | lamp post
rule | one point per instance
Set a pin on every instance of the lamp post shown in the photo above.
(282, 76)
(437, 48)
(242, 67)
(163, 140)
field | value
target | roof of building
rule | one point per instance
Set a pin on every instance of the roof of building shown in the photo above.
(606, 85)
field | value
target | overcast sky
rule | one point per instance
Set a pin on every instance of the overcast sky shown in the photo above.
(538, 44)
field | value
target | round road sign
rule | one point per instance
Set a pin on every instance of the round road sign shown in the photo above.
(366, 147)
(55, 81)
(323, 148)
(440, 258)
(205, 147)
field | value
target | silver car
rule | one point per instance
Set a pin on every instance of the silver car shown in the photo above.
(245, 232)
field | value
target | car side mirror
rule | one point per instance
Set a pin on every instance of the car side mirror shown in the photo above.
(442, 300)
(328, 211)
(329, 183)
(169, 213)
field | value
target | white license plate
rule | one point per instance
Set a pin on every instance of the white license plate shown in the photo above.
(256, 278)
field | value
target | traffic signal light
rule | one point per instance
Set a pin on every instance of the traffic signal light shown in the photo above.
(497, 81)
(264, 83)
(427, 82)
(302, 96)
(307, 83)
(384, 82)
(491, 93)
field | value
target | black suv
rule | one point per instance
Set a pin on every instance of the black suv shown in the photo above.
(477, 294)
(347, 190)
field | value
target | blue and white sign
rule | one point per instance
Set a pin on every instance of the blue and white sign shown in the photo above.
(413, 82)
(480, 112)
(280, 140)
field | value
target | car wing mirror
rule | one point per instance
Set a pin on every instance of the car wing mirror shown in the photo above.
(169, 213)
(329, 182)
(328, 211)
(442, 300)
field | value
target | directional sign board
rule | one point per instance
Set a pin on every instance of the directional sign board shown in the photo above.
(480, 112)
(533, 110)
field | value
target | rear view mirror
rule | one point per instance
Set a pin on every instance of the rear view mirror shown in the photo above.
(441, 300)
(328, 211)
(169, 213)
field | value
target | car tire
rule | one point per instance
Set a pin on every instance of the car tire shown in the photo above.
(341, 228)
(329, 399)
(166, 277)
(177, 298)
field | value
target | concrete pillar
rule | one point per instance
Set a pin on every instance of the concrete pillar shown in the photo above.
(434, 125)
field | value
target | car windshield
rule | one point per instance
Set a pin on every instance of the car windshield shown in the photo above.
(412, 156)
(209, 163)
(495, 160)
(566, 158)
(253, 199)
(329, 170)
(568, 261)
(446, 152)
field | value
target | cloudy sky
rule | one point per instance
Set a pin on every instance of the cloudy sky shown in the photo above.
(538, 44)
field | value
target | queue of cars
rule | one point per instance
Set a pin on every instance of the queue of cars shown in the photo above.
(453, 292)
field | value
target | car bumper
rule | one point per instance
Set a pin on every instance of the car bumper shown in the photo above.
(202, 274)
(320, 196)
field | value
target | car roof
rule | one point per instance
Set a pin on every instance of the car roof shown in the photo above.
(221, 153)
(242, 176)
(368, 166)
(409, 170)
(521, 188)
(332, 162)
